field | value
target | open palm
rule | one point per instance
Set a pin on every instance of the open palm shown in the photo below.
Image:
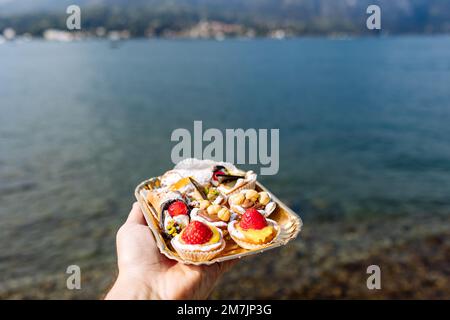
(143, 267)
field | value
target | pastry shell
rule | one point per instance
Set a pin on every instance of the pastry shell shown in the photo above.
(252, 246)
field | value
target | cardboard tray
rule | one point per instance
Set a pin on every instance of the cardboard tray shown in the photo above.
(289, 222)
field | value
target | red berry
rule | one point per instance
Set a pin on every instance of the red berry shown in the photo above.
(177, 208)
(252, 219)
(196, 233)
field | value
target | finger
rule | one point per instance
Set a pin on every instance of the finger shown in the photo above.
(136, 215)
(227, 265)
(219, 268)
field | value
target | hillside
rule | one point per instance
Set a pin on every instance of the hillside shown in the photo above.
(297, 16)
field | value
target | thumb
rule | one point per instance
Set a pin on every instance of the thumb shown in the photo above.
(136, 216)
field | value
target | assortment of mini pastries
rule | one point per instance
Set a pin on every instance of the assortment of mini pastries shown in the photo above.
(201, 205)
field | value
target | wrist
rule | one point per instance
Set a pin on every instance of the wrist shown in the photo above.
(128, 287)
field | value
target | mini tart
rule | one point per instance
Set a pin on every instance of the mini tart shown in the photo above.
(200, 252)
(254, 239)
(266, 210)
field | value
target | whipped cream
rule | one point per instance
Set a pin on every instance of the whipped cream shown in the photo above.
(234, 231)
(182, 220)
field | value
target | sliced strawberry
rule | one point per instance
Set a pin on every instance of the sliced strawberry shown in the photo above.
(177, 208)
(252, 219)
(196, 233)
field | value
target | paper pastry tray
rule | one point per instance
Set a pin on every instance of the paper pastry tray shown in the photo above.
(289, 222)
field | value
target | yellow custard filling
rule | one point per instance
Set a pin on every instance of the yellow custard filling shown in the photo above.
(261, 236)
(180, 184)
(215, 237)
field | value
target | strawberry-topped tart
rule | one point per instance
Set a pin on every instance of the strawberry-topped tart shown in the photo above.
(253, 230)
(199, 241)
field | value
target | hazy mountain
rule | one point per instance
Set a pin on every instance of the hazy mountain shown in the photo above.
(302, 16)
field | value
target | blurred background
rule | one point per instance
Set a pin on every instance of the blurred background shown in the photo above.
(364, 135)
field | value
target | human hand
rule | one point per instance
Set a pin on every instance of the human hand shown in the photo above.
(144, 273)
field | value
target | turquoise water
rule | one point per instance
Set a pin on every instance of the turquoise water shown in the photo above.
(364, 129)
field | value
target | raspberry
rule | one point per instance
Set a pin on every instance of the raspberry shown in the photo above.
(252, 219)
(177, 208)
(196, 233)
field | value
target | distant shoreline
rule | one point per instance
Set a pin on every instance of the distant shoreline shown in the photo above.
(243, 39)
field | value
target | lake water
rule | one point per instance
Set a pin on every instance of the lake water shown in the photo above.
(364, 130)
